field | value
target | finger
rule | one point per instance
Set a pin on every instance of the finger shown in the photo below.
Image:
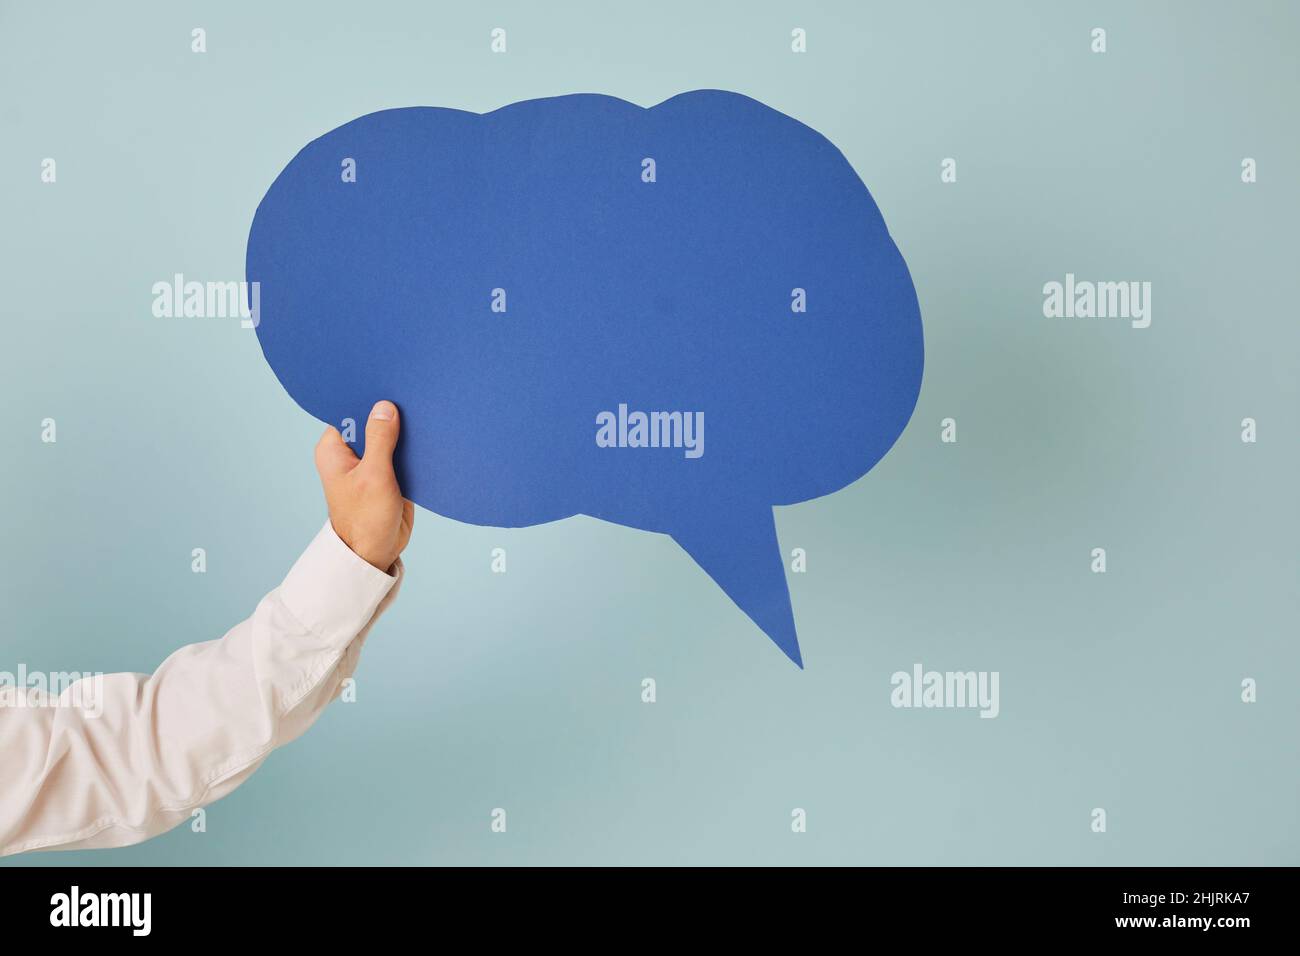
(381, 436)
(333, 456)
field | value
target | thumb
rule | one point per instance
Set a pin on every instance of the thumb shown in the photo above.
(381, 436)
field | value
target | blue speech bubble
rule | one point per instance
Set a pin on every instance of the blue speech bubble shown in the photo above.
(670, 318)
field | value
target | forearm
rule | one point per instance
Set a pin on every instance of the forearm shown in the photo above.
(147, 750)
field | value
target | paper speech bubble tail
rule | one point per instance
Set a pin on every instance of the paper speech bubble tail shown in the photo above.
(742, 555)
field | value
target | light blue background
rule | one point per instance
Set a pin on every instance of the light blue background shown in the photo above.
(523, 690)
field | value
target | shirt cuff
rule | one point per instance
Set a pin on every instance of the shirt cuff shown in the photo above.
(334, 592)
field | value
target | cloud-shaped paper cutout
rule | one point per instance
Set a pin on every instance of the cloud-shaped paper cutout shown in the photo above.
(670, 318)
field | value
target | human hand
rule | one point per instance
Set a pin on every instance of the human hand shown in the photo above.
(365, 505)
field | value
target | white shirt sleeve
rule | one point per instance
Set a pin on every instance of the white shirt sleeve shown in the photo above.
(119, 758)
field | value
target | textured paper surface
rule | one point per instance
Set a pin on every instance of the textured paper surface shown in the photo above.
(708, 256)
